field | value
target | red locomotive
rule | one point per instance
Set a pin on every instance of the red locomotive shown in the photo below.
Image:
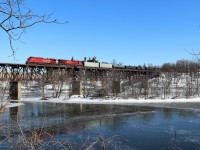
(40, 60)
(70, 62)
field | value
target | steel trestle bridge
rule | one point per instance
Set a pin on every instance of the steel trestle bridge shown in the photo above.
(31, 72)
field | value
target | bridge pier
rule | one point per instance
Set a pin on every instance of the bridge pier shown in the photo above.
(116, 88)
(15, 90)
(77, 88)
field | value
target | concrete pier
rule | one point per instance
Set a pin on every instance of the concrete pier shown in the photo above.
(116, 87)
(77, 88)
(15, 90)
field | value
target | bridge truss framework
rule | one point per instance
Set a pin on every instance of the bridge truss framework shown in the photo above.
(32, 72)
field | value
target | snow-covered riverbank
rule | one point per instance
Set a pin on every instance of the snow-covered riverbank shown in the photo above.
(112, 101)
(165, 103)
(8, 105)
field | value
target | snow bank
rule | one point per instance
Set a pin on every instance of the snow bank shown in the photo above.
(8, 105)
(81, 100)
(168, 103)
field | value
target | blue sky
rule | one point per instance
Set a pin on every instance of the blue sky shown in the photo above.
(129, 31)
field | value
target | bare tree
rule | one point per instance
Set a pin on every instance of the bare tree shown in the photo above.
(115, 63)
(15, 19)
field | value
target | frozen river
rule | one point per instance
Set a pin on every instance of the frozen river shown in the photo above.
(123, 127)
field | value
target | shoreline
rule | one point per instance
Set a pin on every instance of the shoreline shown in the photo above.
(193, 103)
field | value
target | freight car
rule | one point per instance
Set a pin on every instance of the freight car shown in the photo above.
(105, 65)
(40, 60)
(97, 65)
(135, 67)
(91, 64)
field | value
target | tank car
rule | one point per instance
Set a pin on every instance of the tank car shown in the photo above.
(131, 67)
(118, 66)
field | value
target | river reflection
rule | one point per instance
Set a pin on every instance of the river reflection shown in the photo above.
(136, 127)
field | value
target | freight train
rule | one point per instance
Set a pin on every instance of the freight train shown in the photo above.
(91, 63)
(62, 62)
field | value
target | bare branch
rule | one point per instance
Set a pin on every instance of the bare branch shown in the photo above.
(15, 19)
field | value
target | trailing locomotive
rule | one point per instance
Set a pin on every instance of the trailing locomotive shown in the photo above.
(70, 62)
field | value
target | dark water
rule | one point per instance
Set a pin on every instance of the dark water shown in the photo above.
(122, 127)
